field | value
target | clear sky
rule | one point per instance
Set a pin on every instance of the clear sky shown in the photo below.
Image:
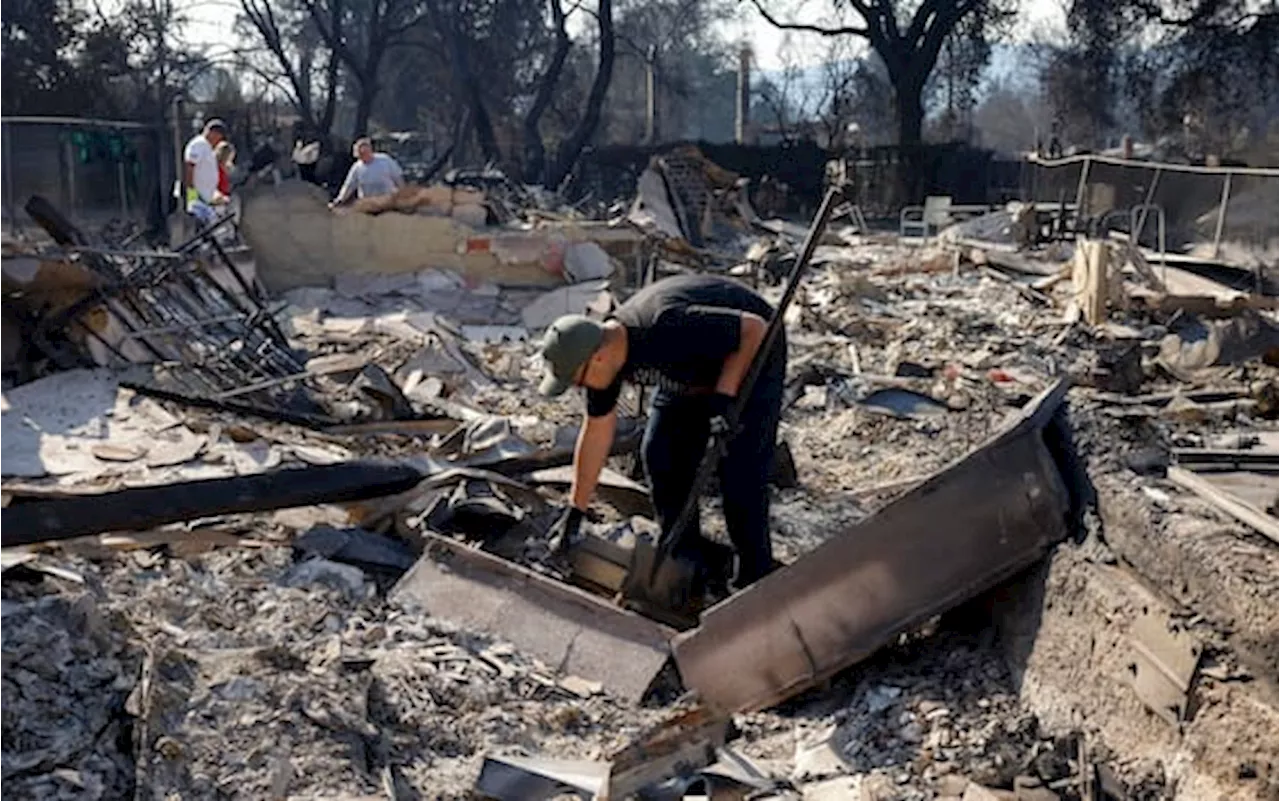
(211, 22)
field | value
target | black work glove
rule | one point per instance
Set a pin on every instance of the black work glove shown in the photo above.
(564, 530)
(723, 423)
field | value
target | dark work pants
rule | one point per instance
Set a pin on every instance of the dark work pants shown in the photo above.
(674, 442)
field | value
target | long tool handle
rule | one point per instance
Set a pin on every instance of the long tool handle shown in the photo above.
(669, 538)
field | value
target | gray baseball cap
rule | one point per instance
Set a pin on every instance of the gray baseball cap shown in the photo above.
(567, 345)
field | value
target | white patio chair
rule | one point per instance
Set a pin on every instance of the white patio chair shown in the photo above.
(921, 221)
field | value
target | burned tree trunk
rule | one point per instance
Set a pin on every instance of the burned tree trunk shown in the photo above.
(364, 107)
(535, 154)
(449, 23)
(910, 111)
(571, 147)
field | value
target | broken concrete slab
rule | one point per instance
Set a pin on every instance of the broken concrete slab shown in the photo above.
(50, 424)
(572, 299)
(579, 633)
(1164, 664)
(586, 261)
(1005, 504)
(92, 428)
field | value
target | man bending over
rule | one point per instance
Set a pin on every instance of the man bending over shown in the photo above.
(693, 338)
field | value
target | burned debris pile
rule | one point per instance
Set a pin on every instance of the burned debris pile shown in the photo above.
(277, 504)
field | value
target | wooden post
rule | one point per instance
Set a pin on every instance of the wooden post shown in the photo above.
(69, 153)
(6, 144)
(180, 172)
(1222, 214)
(123, 189)
(1089, 273)
(650, 97)
(1080, 187)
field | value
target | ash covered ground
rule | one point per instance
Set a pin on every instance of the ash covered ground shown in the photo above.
(227, 668)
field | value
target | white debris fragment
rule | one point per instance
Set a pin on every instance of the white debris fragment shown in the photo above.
(572, 299)
(586, 261)
(344, 578)
(882, 697)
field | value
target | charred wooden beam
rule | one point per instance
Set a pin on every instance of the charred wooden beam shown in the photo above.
(147, 507)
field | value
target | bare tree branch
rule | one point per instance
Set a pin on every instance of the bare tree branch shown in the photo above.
(818, 29)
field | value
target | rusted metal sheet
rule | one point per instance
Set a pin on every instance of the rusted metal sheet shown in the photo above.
(681, 745)
(991, 513)
(570, 630)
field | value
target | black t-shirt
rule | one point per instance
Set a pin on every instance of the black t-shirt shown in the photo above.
(679, 332)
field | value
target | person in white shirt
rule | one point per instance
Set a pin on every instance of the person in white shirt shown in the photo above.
(202, 170)
(372, 175)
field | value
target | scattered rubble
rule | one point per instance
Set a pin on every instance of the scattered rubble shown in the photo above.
(69, 668)
(278, 637)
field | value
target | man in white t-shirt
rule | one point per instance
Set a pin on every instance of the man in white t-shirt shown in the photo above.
(202, 170)
(373, 174)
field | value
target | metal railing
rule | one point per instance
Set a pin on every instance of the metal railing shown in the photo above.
(1205, 207)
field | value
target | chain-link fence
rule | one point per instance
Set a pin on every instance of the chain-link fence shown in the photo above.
(1174, 208)
(102, 174)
